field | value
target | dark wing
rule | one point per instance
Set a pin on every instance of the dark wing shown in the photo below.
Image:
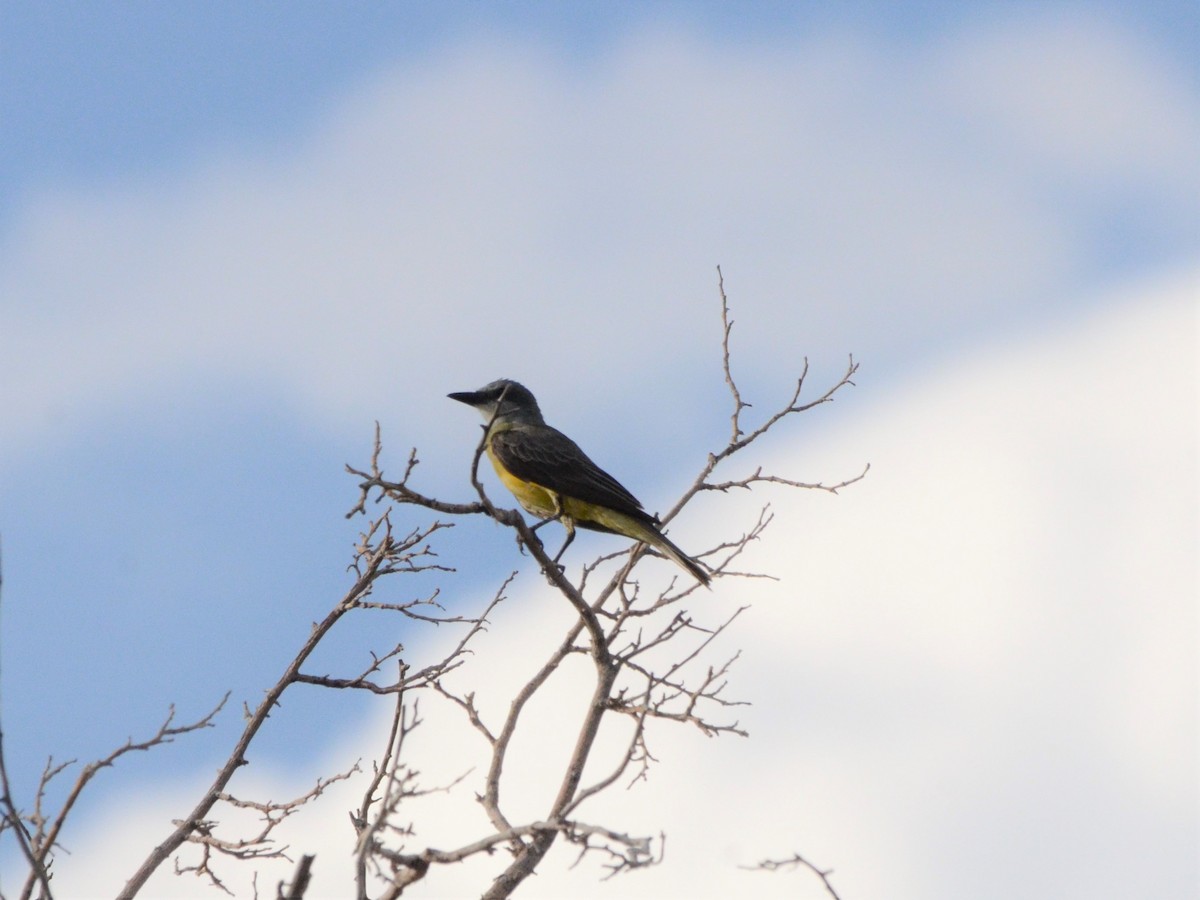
(548, 457)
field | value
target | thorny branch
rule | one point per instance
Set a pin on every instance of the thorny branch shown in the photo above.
(41, 830)
(378, 554)
(10, 816)
(640, 674)
(387, 769)
(649, 655)
(259, 845)
(298, 886)
(796, 861)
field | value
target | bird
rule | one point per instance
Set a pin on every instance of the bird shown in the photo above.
(553, 479)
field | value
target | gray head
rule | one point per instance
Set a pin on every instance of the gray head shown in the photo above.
(514, 402)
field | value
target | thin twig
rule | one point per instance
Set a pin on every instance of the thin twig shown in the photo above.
(795, 861)
(11, 815)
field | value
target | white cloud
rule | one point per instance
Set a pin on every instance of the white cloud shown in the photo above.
(980, 664)
(1078, 95)
(492, 210)
(976, 678)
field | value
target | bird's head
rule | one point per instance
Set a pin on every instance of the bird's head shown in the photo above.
(503, 400)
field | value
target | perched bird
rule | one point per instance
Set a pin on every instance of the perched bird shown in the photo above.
(553, 479)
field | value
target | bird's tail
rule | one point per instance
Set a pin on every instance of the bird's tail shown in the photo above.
(642, 527)
(659, 541)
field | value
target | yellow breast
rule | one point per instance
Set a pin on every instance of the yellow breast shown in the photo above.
(536, 499)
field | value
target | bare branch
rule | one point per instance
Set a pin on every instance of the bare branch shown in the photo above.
(372, 561)
(46, 838)
(11, 815)
(654, 658)
(758, 478)
(399, 785)
(735, 428)
(259, 845)
(363, 825)
(299, 884)
(796, 861)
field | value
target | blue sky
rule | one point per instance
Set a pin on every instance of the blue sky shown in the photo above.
(103, 92)
(234, 236)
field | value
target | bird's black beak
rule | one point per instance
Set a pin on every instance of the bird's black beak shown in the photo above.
(471, 398)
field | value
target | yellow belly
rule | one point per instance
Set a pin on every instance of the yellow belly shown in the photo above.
(545, 504)
(536, 499)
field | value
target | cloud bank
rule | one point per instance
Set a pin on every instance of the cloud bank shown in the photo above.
(975, 677)
(491, 209)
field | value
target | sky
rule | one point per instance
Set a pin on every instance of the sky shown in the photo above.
(232, 238)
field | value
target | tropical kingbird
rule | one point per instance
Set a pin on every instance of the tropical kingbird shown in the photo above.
(553, 479)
